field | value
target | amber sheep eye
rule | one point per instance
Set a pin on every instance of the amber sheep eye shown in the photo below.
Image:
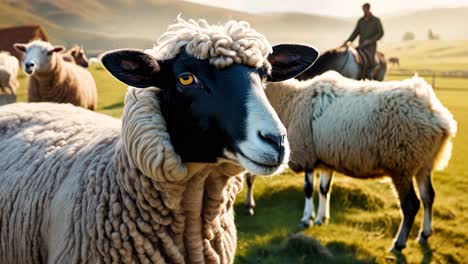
(186, 79)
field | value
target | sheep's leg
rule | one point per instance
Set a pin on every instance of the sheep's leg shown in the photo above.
(324, 197)
(427, 194)
(409, 204)
(10, 87)
(15, 86)
(309, 210)
(249, 199)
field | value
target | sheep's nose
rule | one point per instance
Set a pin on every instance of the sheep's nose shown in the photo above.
(276, 141)
(29, 64)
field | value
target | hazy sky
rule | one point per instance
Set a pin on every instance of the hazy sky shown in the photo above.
(348, 8)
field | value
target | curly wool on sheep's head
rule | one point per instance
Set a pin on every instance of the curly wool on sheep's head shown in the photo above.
(222, 45)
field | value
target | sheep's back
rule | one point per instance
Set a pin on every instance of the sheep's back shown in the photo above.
(377, 129)
(9, 63)
(43, 147)
(81, 85)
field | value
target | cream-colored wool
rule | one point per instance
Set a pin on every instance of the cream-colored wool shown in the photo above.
(224, 45)
(9, 67)
(77, 188)
(66, 82)
(364, 128)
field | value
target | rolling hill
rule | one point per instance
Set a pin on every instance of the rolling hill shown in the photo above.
(107, 24)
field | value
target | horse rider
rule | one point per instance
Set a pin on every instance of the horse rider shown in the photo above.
(370, 31)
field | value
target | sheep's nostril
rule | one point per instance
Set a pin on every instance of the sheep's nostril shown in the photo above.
(276, 140)
(29, 64)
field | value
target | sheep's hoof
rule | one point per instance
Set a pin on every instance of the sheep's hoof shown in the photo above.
(304, 224)
(423, 239)
(396, 249)
(250, 211)
(319, 222)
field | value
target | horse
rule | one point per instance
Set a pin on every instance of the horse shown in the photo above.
(394, 61)
(349, 61)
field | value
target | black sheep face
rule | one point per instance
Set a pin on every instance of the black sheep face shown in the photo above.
(216, 113)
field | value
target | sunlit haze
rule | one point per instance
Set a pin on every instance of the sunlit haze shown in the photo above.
(348, 8)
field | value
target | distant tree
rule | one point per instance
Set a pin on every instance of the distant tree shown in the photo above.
(409, 36)
(432, 36)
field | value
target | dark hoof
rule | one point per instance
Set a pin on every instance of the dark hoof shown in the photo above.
(396, 249)
(304, 224)
(318, 222)
(423, 239)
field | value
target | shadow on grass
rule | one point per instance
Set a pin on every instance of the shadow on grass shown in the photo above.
(114, 106)
(276, 220)
(299, 248)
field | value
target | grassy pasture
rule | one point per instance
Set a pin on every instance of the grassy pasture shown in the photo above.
(364, 214)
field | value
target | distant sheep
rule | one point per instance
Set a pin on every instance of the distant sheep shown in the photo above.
(94, 60)
(76, 55)
(9, 66)
(158, 186)
(365, 129)
(54, 80)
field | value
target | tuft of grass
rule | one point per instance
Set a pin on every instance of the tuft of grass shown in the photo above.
(303, 246)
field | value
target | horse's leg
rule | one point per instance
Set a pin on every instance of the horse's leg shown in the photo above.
(324, 198)
(249, 198)
(427, 194)
(380, 72)
(351, 68)
(309, 211)
(409, 204)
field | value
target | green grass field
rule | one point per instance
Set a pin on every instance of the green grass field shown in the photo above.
(438, 55)
(364, 214)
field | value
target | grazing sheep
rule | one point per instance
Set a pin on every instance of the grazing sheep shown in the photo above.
(365, 129)
(76, 55)
(74, 187)
(94, 60)
(9, 66)
(55, 80)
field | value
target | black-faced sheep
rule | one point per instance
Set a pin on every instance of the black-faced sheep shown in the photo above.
(75, 187)
(54, 80)
(365, 129)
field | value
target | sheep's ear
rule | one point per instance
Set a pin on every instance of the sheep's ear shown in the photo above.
(58, 49)
(289, 60)
(20, 47)
(132, 67)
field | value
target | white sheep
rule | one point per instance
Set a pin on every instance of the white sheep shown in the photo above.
(74, 187)
(94, 60)
(54, 80)
(365, 129)
(9, 67)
